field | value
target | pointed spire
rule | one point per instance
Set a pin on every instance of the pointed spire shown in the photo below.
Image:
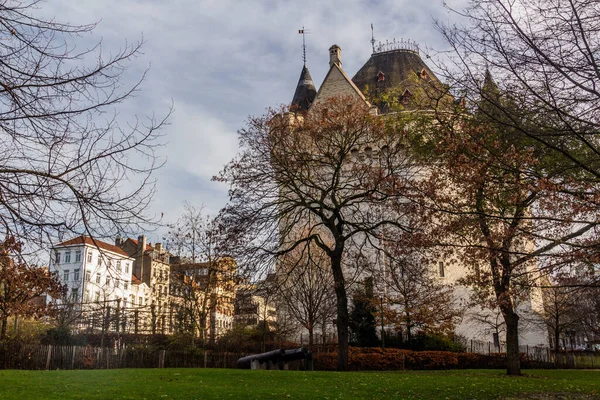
(305, 91)
(491, 100)
(489, 85)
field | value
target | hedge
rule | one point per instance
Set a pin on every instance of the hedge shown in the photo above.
(375, 359)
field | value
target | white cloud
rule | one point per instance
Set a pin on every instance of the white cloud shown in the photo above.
(221, 60)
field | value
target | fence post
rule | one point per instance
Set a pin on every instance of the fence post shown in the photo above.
(48, 357)
(471, 345)
(489, 347)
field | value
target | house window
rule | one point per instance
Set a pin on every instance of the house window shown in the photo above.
(108, 281)
(117, 283)
(68, 256)
(77, 255)
(126, 267)
(57, 257)
(88, 276)
(89, 257)
(118, 265)
(76, 274)
(66, 275)
(406, 96)
(124, 303)
(74, 294)
(125, 285)
(141, 300)
(98, 278)
(441, 269)
(87, 295)
(97, 297)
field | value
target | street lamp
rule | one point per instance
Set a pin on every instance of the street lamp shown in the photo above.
(382, 323)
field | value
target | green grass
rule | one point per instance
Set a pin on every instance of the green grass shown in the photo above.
(244, 384)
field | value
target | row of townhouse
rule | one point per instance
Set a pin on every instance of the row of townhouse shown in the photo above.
(135, 287)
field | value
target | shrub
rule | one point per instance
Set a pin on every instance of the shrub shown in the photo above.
(374, 359)
(433, 342)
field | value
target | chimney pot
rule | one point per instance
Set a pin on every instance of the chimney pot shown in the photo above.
(335, 56)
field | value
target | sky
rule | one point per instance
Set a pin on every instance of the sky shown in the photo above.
(219, 61)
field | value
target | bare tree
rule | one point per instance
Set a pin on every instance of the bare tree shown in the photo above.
(66, 163)
(558, 314)
(202, 274)
(570, 305)
(424, 303)
(307, 289)
(324, 178)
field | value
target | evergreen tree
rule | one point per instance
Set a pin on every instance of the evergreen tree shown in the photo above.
(362, 318)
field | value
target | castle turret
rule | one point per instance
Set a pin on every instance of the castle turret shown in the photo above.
(397, 68)
(392, 66)
(305, 91)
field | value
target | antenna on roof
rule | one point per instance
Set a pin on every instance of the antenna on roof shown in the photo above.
(372, 38)
(303, 32)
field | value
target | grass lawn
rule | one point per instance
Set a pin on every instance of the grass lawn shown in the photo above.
(245, 384)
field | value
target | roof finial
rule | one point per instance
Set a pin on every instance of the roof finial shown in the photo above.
(303, 32)
(372, 38)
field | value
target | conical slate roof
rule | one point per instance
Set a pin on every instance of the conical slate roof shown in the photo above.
(396, 66)
(305, 91)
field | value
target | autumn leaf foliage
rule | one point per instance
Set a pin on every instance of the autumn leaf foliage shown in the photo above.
(23, 287)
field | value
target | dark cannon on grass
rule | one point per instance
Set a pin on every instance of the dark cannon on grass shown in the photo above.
(277, 359)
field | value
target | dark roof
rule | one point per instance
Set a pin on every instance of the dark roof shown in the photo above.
(305, 91)
(93, 242)
(396, 65)
(134, 241)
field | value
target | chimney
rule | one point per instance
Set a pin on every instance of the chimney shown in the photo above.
(335, 56)
(118, 241)
(141, 244)
(139, 259)
(158, 247)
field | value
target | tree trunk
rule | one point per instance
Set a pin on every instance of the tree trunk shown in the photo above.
(342, 309)
(513, 361)
(324, 331)
(556, 340)
(3, 327)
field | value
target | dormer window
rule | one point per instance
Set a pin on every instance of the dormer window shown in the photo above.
(380, 76)
(423, 74)
(406, 96)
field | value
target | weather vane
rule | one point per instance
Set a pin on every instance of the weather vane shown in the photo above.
(303, 32)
